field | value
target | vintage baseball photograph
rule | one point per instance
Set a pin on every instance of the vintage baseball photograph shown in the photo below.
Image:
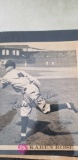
(39, 79)
(39, 94)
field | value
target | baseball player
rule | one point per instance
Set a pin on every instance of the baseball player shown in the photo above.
(30, 89)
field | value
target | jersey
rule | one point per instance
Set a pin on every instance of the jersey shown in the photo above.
(20, 80)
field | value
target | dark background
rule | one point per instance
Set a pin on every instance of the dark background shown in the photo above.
(39, 36)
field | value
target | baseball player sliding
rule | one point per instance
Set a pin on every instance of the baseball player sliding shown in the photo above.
(30, 89)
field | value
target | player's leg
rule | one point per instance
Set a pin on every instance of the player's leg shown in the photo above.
(69, 105)
(25, 113)
(49, 107)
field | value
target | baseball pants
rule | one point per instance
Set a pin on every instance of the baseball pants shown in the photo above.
(32, 99)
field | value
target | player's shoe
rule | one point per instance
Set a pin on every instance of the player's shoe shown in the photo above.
(20, 139)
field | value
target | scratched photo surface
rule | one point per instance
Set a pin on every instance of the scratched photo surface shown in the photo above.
(55, 66)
